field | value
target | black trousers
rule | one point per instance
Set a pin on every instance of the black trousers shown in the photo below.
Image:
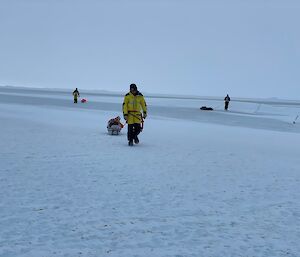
(133, 131)
(226, 105)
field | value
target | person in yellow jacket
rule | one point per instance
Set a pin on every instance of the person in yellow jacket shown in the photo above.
(133, 104)
(76, 95)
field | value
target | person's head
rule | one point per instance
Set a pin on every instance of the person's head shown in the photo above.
(133, 88)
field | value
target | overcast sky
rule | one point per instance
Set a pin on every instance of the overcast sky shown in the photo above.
(247, 48)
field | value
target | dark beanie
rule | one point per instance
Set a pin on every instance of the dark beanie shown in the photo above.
(133, 86)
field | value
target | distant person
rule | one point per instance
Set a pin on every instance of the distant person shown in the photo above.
(133, 104)
(227, 100)
(76, 95)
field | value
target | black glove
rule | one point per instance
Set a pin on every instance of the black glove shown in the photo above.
(125, 117)
(144, 115)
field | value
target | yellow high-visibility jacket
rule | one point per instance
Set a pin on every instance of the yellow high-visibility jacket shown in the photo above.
(76, 94)
(132, 107)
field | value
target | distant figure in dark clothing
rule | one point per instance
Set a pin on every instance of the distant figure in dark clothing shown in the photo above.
(227, 100)
(76, 95)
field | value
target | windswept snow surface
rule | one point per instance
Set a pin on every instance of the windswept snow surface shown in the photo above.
(200, 183)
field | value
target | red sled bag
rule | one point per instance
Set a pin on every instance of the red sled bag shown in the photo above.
(83, 100)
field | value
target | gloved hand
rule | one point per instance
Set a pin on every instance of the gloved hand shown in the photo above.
(144, 115)
(125, 117)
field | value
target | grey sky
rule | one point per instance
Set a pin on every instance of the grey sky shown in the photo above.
(206, 48)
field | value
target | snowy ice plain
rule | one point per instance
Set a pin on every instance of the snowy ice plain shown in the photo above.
(200, 183)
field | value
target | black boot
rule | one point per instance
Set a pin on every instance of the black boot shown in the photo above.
(136, 140)
(130, 143)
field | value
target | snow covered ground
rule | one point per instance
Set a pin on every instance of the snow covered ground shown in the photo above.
(200, 183)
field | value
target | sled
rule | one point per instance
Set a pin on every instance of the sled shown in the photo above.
(83, 100)
(204, 108)
(114, 130)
